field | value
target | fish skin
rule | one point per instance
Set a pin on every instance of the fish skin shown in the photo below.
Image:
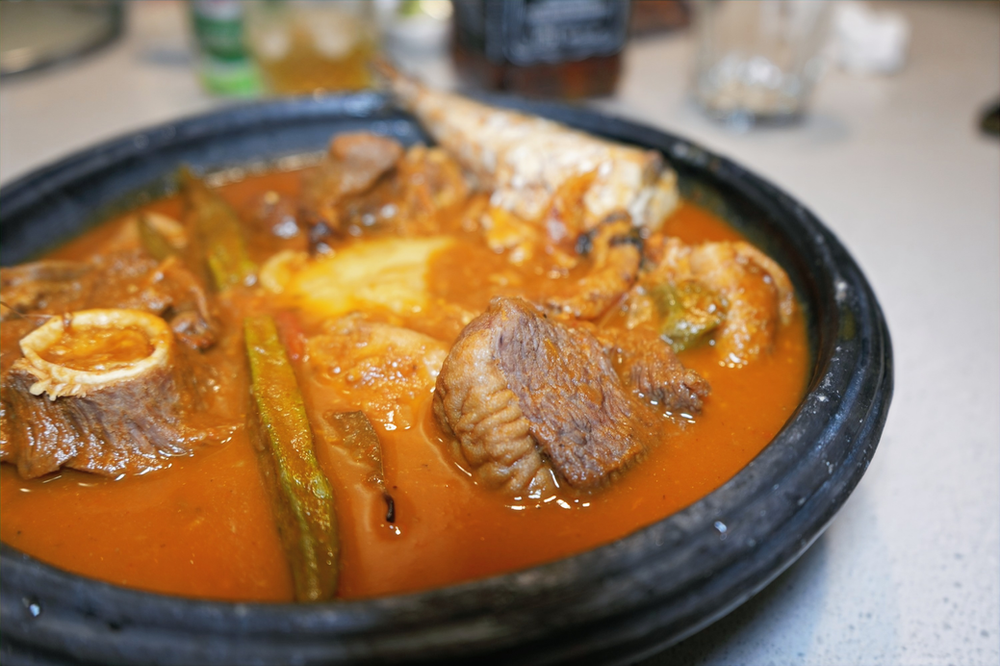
(523, 159)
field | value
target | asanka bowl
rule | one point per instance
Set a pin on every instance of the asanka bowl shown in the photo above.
(614, 604)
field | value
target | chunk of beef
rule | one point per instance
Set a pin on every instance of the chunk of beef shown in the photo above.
(124, 279)
(271, 224)
(49, 285)
(406, 202)
(519, 389)
(354, 163)
(647, 364)
(187, 305)
(132, 280)
(431, 180)
(365, 158)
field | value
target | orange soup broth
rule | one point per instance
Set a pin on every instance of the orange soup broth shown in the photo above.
(204, 528)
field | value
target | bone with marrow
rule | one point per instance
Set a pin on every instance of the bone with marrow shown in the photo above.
(101, 391)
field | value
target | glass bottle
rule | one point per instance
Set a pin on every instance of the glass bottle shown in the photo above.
(545, 48)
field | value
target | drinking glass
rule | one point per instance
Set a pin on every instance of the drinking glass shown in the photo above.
(308, 46)
(758, 60)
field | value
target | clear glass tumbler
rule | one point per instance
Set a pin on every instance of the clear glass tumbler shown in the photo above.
(758, 60)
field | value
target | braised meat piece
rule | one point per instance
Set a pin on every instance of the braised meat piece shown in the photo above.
(519, 390)
(362, 158)
(430, 180)
(272, 223)
(101, 391)
(354, 163)
(124, 279)
(648, 365)
(51, 284)
(406, 202)
(168, 289)
(369, 184)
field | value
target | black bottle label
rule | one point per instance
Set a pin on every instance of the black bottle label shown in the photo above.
(529, 32)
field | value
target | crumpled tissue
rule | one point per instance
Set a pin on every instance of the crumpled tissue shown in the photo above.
(869, 41)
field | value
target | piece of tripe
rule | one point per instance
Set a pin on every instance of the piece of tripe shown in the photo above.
(523, 159)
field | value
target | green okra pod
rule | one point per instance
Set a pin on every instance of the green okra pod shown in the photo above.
(220, 234)
(301, 493)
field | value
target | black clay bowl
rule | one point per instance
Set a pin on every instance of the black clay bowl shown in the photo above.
(610, 605)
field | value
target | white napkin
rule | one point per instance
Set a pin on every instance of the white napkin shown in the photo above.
(868, 41)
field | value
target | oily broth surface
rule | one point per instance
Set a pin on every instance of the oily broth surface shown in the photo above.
(203, 528)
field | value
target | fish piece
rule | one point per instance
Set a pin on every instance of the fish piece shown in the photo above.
(557, 233)
(524, 159)
(521, 392)
(614, 250)
(505, 232)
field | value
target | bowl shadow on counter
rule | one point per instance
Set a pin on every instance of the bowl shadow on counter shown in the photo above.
(831, 602)
(714, 644)
(614, 604)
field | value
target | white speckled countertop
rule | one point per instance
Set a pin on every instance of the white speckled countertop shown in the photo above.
(909, 571)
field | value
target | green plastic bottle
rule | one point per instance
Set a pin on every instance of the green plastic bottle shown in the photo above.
(224, 62)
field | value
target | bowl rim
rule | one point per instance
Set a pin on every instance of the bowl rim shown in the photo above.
(617, 602)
